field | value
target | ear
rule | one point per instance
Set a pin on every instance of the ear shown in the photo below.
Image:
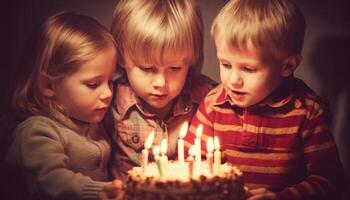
(47, 86)
(290, 64)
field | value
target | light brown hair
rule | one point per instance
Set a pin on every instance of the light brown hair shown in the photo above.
(62, 44)
(276, 27)
(150, 29)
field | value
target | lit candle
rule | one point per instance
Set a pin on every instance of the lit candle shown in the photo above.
(197, 143)
(163, 158)
(191, 153)
(144, 153)
(210, 149)
(156, 151)
(164, 148)
(180, 142)
(217, 156)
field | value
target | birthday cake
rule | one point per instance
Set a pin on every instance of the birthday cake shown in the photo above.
(177, 181)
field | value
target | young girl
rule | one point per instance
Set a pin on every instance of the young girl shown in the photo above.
(61, 146)
(160, 44)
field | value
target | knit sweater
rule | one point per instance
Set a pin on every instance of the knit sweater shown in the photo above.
(61, 163)
(283, 143)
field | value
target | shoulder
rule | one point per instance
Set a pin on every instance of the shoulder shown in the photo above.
(204, 82)
(38, 126)
(210, 100)
(213, 94)
(314, 104)
(37, 121)
(200, 87)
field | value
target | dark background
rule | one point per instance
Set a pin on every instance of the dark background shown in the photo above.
(325, 66)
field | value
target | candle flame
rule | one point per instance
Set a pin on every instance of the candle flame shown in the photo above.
(164, 146)
(183, 130)
(216, 143)
(149, 140)
(192, 151)
(199, 131)
(156, 150)
(210, 145)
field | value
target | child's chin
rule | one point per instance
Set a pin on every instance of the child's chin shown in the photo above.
(242, 105)
(159, 104)
(96, 119)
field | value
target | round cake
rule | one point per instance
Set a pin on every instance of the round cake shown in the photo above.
(178, 182)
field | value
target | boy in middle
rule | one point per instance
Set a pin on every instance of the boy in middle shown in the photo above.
(160, 44)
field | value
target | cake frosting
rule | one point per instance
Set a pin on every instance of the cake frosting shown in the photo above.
(178, 182)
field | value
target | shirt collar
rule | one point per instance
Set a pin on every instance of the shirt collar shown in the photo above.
(284, 95)
(126, 98)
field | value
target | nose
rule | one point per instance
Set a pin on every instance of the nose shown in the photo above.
(106, 93)
(235, 79)
(160, 81)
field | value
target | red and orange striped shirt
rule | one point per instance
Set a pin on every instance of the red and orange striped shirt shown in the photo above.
(283, 144)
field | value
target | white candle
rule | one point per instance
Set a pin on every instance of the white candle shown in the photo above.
(164, 158)
(210, 149)
(191, 153)
(156, 151)
(217, 156)
(180, 142)
(144, 153)
(197, 143)
(164, 147)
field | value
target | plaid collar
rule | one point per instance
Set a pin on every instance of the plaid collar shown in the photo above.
(285, 94)
(126, 98)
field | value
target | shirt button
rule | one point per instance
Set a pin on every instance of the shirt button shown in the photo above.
(135, 139)
(186, 109)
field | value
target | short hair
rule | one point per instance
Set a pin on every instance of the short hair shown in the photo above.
(276, 26)
(61, 44)
(148, 30)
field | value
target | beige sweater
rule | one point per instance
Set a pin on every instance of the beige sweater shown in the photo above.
(59, 162)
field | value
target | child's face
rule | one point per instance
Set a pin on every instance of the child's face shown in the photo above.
(247, 78)
(158, 85)
(87, 93)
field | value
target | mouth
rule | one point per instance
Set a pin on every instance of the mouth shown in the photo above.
(159, 95)
(104, 109)
(238, 92)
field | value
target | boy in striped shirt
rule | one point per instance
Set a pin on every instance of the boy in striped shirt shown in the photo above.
(269, 123)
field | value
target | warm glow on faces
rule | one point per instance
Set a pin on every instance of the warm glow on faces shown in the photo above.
(158, 85)
(246, 76)
(87, 93)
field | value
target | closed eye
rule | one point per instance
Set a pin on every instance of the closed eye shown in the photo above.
(174, 68)
(147, 69)
(249, 69)
(225, 65)
(92, 85)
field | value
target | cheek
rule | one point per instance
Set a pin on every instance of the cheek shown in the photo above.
(137, 79)
(255, 83)
(261, 84)
(223, 75)
(176, 83)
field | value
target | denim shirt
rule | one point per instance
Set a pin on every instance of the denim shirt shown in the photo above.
(133, 123)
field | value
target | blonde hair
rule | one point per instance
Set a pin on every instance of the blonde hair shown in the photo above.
(62, 44)
(148, 30)
(275, 26)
